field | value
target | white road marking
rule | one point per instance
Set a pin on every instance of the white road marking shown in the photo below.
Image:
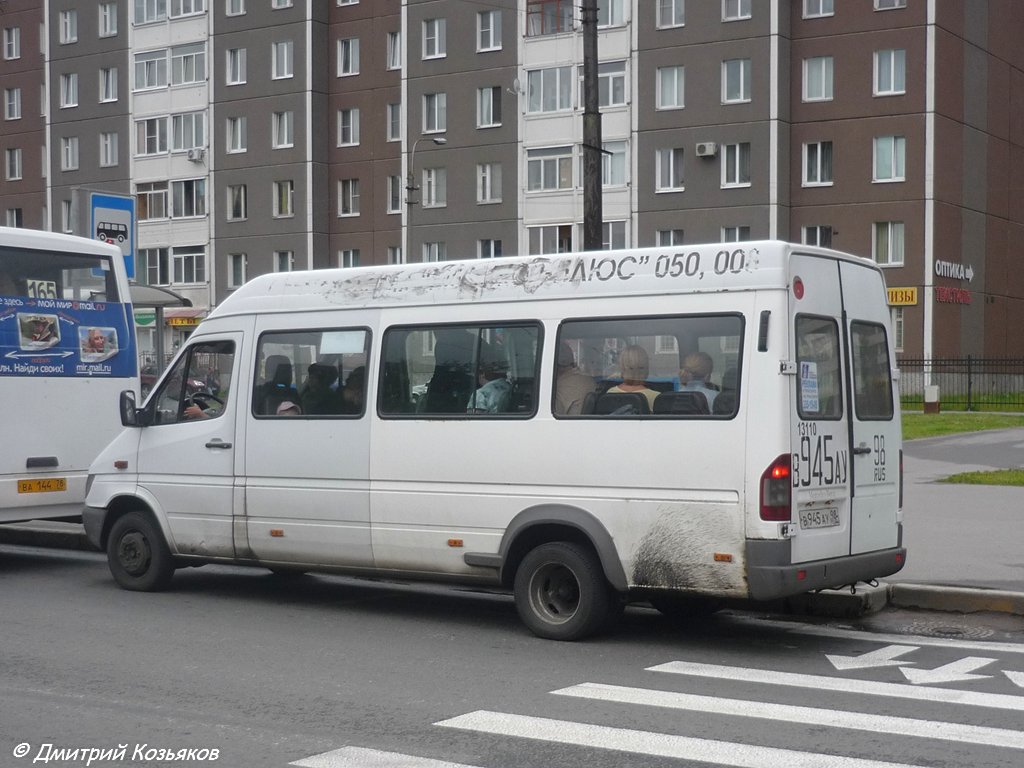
(883, 657)
(954, 672)
(655, 744)
(820, 682)
(859, 721)
(358, 757)
(1017, 678)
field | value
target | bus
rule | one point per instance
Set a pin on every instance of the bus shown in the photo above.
(67, 349)
(679, 426)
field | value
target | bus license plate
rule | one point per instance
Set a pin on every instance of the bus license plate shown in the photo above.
(819, 518)
(43, 485)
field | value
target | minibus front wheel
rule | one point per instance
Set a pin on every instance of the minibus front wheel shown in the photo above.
(137, 554)
(561, 592)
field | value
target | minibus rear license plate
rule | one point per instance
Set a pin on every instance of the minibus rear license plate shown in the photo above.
(43, 485)
(819, 518)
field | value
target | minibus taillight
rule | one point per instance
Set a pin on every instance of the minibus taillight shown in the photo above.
(775, 490)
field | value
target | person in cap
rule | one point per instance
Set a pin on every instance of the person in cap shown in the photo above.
(288, 408)
(495, 392)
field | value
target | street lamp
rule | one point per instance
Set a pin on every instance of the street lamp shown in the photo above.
(410, 189)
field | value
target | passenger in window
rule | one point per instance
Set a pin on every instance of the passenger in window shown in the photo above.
(696, 373)
(635, 367)
(288, 408)
(319, 396)
(495, 392)
(352, 395)
(571, 386)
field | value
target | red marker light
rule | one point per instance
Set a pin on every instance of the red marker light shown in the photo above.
(798, 288)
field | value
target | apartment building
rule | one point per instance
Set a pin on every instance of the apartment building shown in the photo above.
(270, 135)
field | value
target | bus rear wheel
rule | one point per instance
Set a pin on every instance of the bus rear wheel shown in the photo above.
(561, 593)
(137, 554)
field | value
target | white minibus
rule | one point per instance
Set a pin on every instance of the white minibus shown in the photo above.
(667, 425)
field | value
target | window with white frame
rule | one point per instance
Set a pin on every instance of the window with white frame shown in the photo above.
(435, 112)
(348, 127)
(108, 84)
(488, 183)
(890, 72)
(818, 78)
(236, 134)
(671, 13)
(669, 169)
(435, 251)
(235, 72)
(549, 17)
(281, 66)
(613, 235)
(434, 43)
(817, 163)
(283, 130)
(69, 90)
(394, 117)
(815, 8)
(611, 84)
(488, 31)
(238, 202)
(348, 197)
(68, 21)
(13, 217)
(551, 238)
(735, 234)
(549, 90)
(394, 194)
(69, 153)
(108, 149)
(151, 136)
(887, 246)
(284, 197)
(237, 267)
(150, 70)
(12, 43)
(187, 7)
(147, 11)
(614, 165)
(670, 85)
(151, 200)
(735, 81)
(435, 187)
(188, 131)
(898, 325)
(276, 4)
(668, 237)
(736, 165)
(234, 7)
(348, 57)
(348, 258)
(488, 248)
(12, 164)
(611, 13)
(888, 5)
(188, 64)
(189, 264)
(65, 216)
(394, 50)
(395, 254)
(188, 198)
(284, 261)
(890, 158)
(734, 10)
(488, 107)
(12, 103)
(818, 234)
(549, 169)
(155, 265)
(43, 99)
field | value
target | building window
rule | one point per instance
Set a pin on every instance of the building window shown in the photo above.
(669, 173)
(150, 70)
(549, 169)
(277, 4)
(348, 258)
(548, 17)
(896, 316)
(14, 217)
(890, 72)
(348, 57)
(435, 187)
(236, 66)
(736, 165)
(887, 247)
(108, 84)
(888, 5)
(235, 7)
(437, 251)
(666, 238)
(69, 90)
(188, 131)
(189, 264)
(188, 64)
(820, 235)
(735, 234)
(151, 136)
(488, 249)
(394, 117)
(734, 10)
(348, 127)
(611, 84)
(555, 238)
(890, 158)
(435, 112)
(151, 200)
(188, 198)
(238, 202)
(68, 27)
(284, 194)
(670, 86)
(434, 43)
(815, 8)
(818, 79)
(614, 168)
(736, 81)
(671, 13)
(284, 261)
(613, 235)
(549, 90)
(65, 216)
(281, 60)
(818, 164)
(348, 197)
(610, 13)
(394, 52)
(69, 153)
(187, 7)
(237, 139)
(395, 254)
(488, 183)
(12, 43)
(108, 150)
(12, 164)
(154, 263)
(147, 11)
(12, 103)
(394, 194)
(237, 267)
(283, 130)
(488, 107)
(488, 31)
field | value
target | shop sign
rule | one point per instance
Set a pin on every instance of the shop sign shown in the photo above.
(902, 297)
(145, 318)
(952, 295)
(182, 322)
(955, 271)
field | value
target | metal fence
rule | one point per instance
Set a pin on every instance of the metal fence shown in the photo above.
(965, 383)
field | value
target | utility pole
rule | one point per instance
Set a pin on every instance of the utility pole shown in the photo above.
(593, 217)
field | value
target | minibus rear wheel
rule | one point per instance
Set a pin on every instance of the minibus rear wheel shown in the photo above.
(137, 554)
(561, 592)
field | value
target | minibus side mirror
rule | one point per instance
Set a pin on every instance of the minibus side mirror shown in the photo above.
(129, 413)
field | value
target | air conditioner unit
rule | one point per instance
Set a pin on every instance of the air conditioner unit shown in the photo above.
(707, 149)
(196, 155)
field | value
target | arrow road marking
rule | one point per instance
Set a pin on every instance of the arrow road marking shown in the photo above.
(883, 657)
(953, 672)
(858, 721)
(1017, 678)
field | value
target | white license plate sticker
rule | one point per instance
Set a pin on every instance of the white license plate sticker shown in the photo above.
(819, 518)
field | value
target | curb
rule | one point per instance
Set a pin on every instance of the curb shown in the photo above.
(957, 599)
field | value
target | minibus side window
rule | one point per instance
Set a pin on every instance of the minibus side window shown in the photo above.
(819, 383)
(872, 377)
(198, 386)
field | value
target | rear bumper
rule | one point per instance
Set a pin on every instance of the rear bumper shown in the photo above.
(772, 574)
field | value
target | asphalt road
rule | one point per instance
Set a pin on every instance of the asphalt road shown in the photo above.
(329, 672)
